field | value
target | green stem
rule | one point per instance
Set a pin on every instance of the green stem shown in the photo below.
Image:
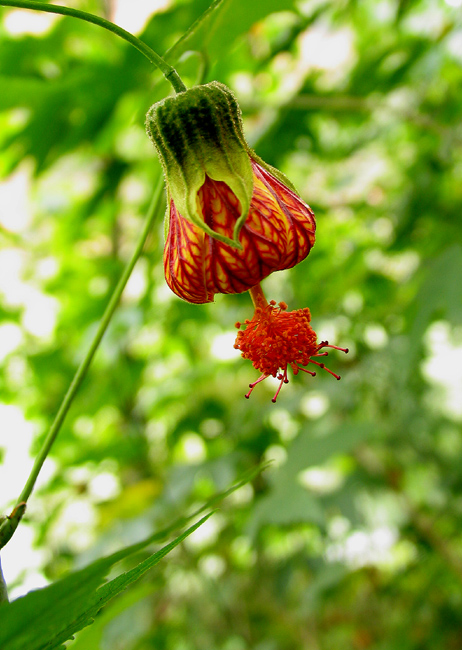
(167, 70)
(3, 589)
(8, 527)
(82, 370)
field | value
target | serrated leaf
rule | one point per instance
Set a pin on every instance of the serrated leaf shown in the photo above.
(54, 613)
(60, 610)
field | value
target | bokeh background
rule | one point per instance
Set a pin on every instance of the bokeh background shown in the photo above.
(353, 537)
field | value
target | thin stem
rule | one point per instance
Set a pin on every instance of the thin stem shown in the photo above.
(82, 370)
(167, 70)
(258, 297)
(3, 589)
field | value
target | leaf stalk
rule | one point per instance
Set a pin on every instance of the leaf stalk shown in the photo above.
(167, 70)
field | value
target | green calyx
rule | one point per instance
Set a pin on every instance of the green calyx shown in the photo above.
(197, 133)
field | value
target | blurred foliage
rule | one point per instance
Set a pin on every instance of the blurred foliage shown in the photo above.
(353, 538)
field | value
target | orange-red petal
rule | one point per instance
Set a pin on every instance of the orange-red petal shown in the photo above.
(277, 234)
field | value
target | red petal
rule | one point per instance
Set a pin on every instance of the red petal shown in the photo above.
(278, 233)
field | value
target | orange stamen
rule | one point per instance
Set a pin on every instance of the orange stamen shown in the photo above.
(275, 339)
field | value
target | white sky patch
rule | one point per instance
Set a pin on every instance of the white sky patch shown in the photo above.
(20, 21)
(15, 210)
(353, 302)
(138, 283)
(363, 548)
(84, 426)
(384, 11)
(325, 49)
(20, 558)
(104, 486)
(314, 405)
(321, 480)
(76, 525)
(133, 15)
(327, 330)
(191, 449)
(276, 454)
(398, 267)
(212, 565)
(443, 368)
(206, 534)
(360, 174)
(47, 268)
(40, 313)
(283, 422)
(222, 347)
(11, 267)
(375, 335)
(16, 435)
(11, 338)
(429, 21)
(454, 43)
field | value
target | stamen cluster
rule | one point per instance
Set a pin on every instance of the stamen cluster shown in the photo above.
(275, 339)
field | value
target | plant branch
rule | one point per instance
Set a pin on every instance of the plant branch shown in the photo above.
(10, 523)
(3, 589)
(167, 70)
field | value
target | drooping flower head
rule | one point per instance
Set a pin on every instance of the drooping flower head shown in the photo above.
(275, 339)
(231, 218)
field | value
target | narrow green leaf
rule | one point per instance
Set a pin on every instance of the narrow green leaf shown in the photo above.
(55, 613)
(60, 610)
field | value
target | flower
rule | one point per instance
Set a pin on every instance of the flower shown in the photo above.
(277, 234)
(231, 218)
(276, 338)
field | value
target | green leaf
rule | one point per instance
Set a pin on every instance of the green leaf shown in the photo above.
(60, 610)
(441, 291)
(91, 636)
(288, 502)
(55, 613)
(307, 451)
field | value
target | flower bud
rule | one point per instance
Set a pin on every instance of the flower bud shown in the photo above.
(198, 134)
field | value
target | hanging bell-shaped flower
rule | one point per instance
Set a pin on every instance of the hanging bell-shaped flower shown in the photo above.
(231, 218)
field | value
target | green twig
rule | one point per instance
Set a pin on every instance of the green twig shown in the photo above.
(167, 70)
(10, 523)
(3, 589)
